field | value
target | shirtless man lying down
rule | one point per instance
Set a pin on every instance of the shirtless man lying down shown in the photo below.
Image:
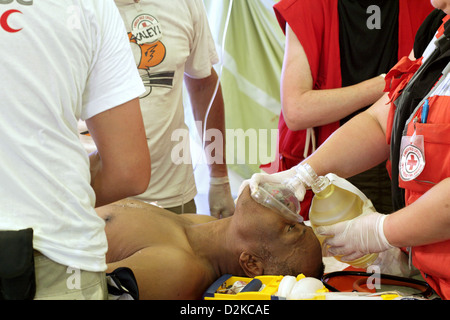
(180, 256)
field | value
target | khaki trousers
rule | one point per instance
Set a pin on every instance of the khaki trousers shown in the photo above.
(189, 207)
(58, 282)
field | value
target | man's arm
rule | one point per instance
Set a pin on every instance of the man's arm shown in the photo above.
(201, 92)
(121, 166)
(428, 219)
(357, 146)
(304, 107)
(166, 273)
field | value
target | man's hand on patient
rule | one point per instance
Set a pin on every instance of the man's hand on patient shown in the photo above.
(355, 238)
(221, 203)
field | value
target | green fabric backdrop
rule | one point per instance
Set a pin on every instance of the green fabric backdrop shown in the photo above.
(252, 61)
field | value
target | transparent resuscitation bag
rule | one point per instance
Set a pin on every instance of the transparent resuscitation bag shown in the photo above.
(335, 200)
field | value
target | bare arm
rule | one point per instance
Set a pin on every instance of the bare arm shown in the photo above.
(428, 219)
(121, 166)
(355, 147)
(201, 92)
(304, 107)
(166, 273)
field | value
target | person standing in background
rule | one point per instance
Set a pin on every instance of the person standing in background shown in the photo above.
(73, 64)
(337, 52)
(172, 43)
(408, 127)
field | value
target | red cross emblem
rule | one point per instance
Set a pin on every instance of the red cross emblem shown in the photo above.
(412, 163)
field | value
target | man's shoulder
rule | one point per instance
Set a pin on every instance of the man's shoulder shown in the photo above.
(185, 273)
(198, 218)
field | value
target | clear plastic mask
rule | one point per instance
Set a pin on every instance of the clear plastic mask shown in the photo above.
(280, 199)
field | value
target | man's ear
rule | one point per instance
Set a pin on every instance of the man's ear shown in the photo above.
(252, 265)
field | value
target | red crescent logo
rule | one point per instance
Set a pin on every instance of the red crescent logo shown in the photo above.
(4, 21)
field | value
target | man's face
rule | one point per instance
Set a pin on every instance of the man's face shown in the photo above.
(293, 247)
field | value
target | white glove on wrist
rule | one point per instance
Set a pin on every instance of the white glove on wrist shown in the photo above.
(355, 238)
(221, 203)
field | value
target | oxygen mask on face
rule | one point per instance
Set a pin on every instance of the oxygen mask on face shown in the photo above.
(280, 199)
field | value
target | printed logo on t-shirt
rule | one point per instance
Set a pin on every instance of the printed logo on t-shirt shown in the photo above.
(146, 33)
(5, 21)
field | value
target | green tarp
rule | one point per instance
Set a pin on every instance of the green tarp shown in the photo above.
(250, 79)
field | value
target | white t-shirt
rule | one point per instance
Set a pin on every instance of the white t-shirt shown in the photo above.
(62, 60)
(169, 38)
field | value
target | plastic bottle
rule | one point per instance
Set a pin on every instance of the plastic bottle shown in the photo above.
(332, 204)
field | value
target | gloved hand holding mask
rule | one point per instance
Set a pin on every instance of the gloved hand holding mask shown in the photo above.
(276, 178)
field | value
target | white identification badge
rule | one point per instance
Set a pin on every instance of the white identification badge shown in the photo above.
(412, 157)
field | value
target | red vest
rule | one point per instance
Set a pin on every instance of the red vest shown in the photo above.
(432, 260)
(316, 24)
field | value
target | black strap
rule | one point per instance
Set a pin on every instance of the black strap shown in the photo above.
(121, 282)
(427, 31)
(419, 86)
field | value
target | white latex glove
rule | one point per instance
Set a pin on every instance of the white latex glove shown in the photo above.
(221, 203)
(276, 178)
(355, 238)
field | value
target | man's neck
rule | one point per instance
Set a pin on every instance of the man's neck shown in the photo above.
(213, 242)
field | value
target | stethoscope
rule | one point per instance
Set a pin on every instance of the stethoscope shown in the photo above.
(424, 289)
